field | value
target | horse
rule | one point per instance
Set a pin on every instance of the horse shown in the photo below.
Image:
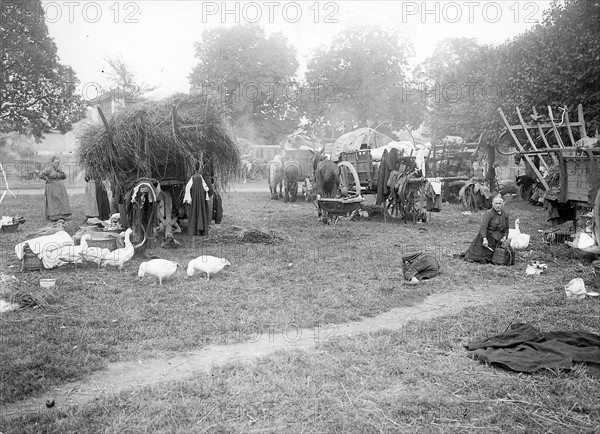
(327, 177)
(276, 177)
(291, 175)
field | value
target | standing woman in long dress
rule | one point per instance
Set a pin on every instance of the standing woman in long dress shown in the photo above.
(57, 201)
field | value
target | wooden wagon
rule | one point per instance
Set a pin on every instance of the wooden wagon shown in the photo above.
(578, 163)
(397, 204)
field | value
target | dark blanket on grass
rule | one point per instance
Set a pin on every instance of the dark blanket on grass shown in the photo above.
(523, 348)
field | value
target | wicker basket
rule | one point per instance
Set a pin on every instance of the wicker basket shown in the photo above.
(10, 228)
(103, 243)
(30, 260)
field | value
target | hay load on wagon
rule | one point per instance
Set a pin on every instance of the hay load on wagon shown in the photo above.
(149, 152)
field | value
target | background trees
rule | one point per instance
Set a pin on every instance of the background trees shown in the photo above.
(253, 74)
(38, 93)
(555, 63)
(361, 79)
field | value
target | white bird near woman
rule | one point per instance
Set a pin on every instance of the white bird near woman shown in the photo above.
(518, 240)
(160, 268)
(207, 264)
(118, 257)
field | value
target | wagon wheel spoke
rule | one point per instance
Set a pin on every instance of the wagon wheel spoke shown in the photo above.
(349, 177)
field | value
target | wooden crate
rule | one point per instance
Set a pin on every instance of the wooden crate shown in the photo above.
(579, 183)
(30, 260)
(362, 162)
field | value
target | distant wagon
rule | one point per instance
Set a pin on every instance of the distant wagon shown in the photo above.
(568, 167)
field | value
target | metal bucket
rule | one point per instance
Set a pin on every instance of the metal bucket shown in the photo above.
(502, 256)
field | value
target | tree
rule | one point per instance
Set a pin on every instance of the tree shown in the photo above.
(252, 74)
(555, 63)
(453, 83)
(38, 93)
(360, 79)
(124, 79)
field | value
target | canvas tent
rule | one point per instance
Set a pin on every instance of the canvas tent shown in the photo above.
(362, 138)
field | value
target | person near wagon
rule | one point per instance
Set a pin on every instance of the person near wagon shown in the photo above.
(96, 199)
(57, 201)
(493, 233)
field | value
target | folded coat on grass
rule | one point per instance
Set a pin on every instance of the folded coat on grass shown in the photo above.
(523, 348)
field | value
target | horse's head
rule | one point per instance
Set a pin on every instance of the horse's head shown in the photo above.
(318, 156)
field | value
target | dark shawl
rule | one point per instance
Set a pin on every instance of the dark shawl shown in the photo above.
(197, 211)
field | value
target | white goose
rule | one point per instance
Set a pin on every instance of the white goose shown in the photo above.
(92, 254)
(518, 240)
(71, 254)
(160, 268)
(207, 264)
(118, 257)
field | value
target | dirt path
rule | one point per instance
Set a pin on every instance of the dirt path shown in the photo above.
(130, 375)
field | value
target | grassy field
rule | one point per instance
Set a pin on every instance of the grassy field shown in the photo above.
(314, 276)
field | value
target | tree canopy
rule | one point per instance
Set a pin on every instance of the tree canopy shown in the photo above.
(556, 63)
(362, 80)
(38, 93)
(253, 74)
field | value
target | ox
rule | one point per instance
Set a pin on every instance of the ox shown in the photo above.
(291, 175)
(327, 177)
(276, 177)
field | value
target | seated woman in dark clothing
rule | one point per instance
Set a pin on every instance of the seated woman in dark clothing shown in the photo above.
(493, 233)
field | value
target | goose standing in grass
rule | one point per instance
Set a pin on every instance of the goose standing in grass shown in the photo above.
(92, 254)
(207, 264)
(518, 240)
(118, 257)
(160, 268)
(71, 254)
(514, 231)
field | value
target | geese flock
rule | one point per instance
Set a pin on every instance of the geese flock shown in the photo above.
(158, 268)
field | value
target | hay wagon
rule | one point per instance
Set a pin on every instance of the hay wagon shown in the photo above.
(563, 148)
(152, 151)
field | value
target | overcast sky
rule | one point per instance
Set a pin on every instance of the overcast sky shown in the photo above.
(157, 37)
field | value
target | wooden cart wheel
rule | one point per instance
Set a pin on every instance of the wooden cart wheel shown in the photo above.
(415, 202)
(349, 177)
(596, 220)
